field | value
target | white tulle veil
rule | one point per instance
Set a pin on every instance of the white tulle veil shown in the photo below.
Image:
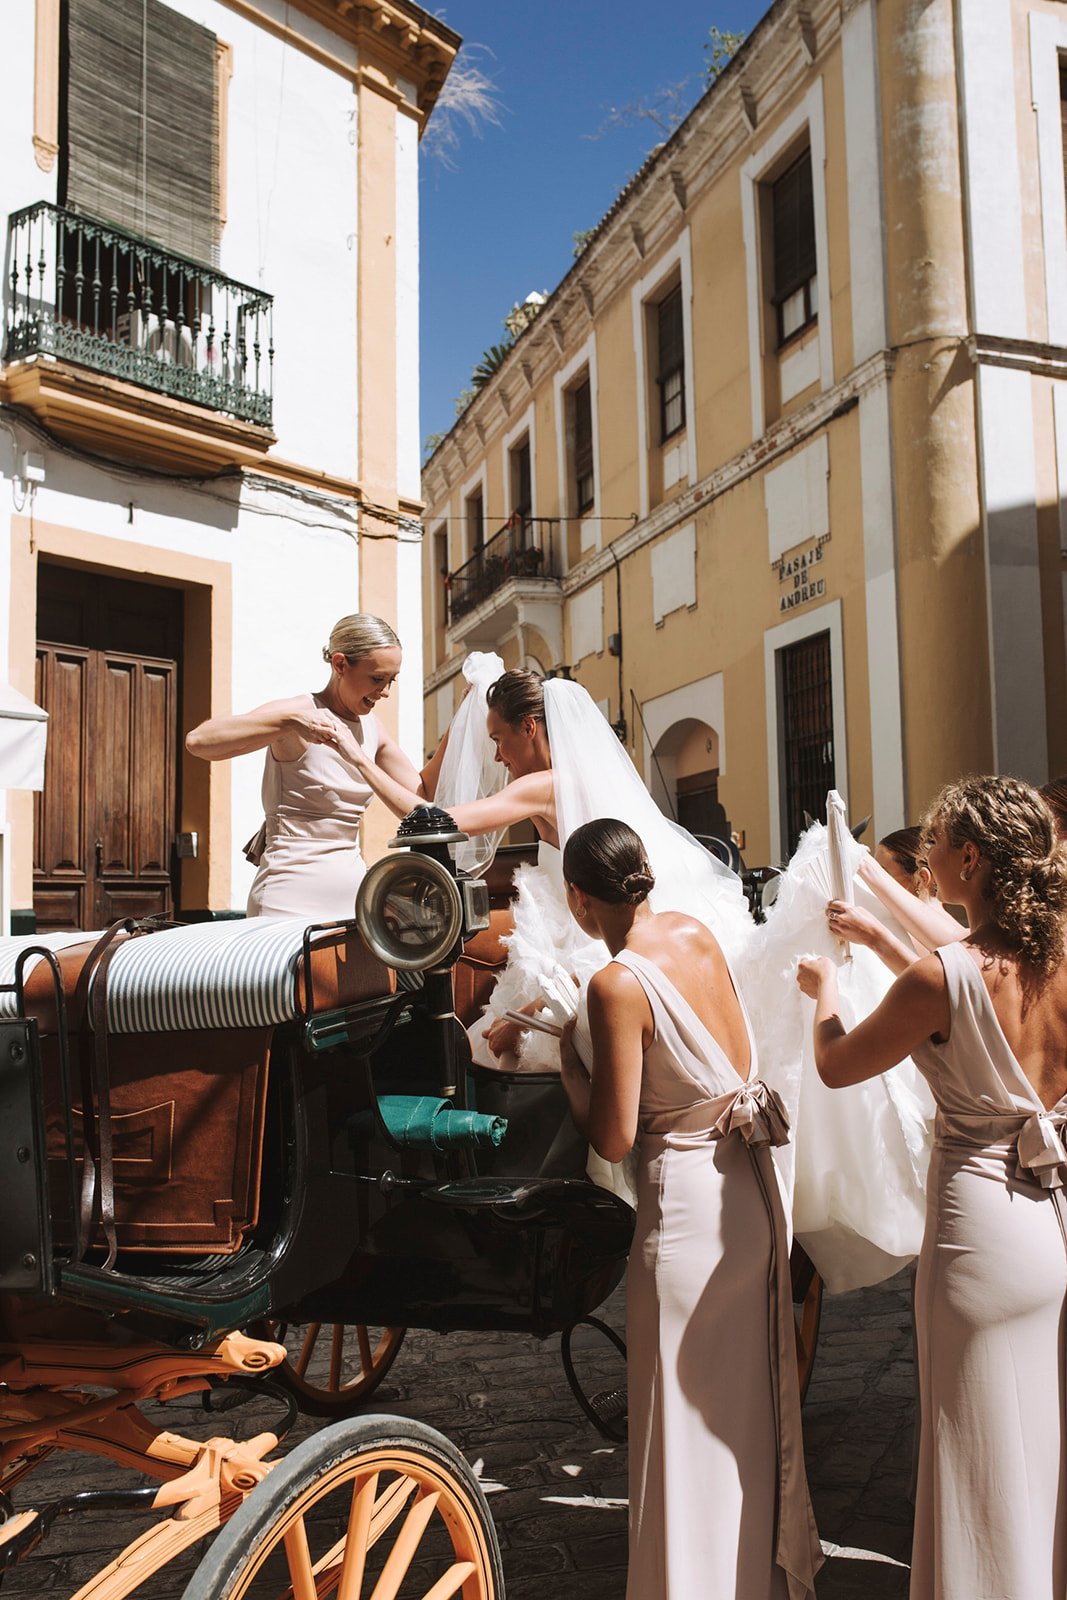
(594, 777)
(468, 769)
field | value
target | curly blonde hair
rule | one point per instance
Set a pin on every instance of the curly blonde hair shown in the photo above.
(1015, 831)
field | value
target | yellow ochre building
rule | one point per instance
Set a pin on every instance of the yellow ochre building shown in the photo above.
(779, 472)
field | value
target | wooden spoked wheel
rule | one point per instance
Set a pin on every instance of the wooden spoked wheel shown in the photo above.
(334, 1367)
(376, 1506)
(807, 1311)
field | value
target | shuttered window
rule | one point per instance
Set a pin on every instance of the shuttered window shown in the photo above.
(140, 144)
(806, 710)
(793, 248)
(671, 371)
(582, 411)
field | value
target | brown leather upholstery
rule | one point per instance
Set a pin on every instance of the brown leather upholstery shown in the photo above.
(187, 1108)
(187, 1114)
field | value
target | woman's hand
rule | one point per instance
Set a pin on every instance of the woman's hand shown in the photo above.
(570, 1060)
(315, 727)
(854, 924)
(812, 973)
(503, 1037)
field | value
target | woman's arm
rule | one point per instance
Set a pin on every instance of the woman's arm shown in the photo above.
(395, 764)
(605, 1106)
(860, 927)
(529, 796)
(915, 1009)
(285, 725)
(925, 920)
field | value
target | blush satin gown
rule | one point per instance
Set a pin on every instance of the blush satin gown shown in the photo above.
(991, 1318)
(311, 865)
(719, 1502)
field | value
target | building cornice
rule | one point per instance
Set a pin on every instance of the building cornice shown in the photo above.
(775, 64)
(395, 34)
(782, 437)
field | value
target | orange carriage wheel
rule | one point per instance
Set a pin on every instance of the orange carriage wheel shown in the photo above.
(333, 1367)
(807, 1311)
(377, 1505)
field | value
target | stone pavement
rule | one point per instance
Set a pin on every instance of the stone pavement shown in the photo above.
(557, 1490)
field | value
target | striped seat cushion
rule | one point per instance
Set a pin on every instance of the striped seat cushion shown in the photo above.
(10, 950)
(208, 975)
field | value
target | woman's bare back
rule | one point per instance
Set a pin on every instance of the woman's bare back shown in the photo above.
(1032, 1017)
(690, 956)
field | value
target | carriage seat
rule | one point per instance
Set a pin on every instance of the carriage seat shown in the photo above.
(192, 1014)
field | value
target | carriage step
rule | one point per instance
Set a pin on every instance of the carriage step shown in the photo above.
(215, 1294)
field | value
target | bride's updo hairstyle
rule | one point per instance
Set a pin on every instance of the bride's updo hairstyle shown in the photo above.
(1015, 832)
(517, 694)
(606, 860)
(357, 636)
(905, 845)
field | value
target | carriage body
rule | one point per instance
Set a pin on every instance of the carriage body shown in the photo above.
(200, 1144)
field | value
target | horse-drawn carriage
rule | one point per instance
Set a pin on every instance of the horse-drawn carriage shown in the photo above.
(224, 1144)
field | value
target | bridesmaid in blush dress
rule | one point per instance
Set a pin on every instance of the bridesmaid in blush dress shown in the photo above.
(985, 1021)
(719, 1506)
(314, 796)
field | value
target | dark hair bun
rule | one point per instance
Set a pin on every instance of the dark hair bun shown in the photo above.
(636, 885)
(606, 859)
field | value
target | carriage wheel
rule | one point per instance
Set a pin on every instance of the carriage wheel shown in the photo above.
(356, 1360)
(376, 1505)
(807, 1310)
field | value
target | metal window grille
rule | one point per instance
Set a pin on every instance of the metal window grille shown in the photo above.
(670, 375)
(806, 731)
(793, 248)
(582, 404)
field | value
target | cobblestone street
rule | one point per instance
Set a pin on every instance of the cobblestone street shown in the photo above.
(556, 1489)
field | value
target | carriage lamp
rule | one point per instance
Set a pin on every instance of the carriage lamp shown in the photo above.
(414, 908)
(410, 911)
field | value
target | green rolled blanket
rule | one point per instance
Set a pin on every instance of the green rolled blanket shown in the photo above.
(422, 1120)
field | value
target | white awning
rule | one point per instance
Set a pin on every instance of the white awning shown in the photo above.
(23, 735)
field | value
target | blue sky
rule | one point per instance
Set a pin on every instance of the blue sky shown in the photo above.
(500, 222)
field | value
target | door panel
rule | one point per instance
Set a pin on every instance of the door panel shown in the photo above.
(153, 771)
(104, 823)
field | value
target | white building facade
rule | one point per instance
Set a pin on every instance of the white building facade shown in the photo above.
(212, 264)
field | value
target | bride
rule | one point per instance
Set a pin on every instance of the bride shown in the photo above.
(564, 766)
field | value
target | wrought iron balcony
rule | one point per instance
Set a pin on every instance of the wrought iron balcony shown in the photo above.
(525, 547)
(87, 293)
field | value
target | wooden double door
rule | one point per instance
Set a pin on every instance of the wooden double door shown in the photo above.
(108, 674)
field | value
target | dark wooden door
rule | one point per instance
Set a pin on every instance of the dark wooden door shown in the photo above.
(108, 659)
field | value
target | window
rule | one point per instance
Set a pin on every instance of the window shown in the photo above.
(140, 134)
(794, 284)
(1063, 115)
(475, 523)
(582, 425)
(441, 579)
(805, 700)
(521, 483)
(670, 374)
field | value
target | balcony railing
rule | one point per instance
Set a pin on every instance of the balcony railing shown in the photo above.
(525, 547)
(88, 293)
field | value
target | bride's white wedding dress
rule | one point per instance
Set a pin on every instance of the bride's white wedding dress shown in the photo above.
(855, 1167)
